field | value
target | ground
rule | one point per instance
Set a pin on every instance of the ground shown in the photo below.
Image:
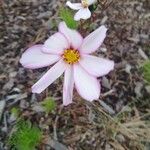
(81, 125)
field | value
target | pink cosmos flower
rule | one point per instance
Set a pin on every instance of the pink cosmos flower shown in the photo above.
(83, 10)
(71, 53)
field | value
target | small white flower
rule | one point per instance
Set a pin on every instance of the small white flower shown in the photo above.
(83, 9)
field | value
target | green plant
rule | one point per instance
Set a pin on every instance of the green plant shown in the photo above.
(48, 104)
(15, 111)
(93, 7)
(25, 136)
(146, 71)
(67, 16)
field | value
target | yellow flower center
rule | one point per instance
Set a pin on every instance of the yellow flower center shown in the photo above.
(71, 56)
(85, 3)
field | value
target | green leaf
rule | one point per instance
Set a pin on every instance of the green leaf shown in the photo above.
(146, 71)
(15, 111)
(25, 136)
(67, 16)
(48, 104)
(93, 7)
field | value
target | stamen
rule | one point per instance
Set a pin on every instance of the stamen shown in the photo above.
(71, 56)
(85, 3)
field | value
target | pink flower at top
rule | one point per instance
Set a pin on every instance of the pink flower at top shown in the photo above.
(83, 9)
(71, 55)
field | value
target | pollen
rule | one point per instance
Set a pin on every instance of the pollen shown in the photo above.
(85, 3)
(71, 56)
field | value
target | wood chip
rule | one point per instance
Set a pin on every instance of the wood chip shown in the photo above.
(142, 53)
(2, 106)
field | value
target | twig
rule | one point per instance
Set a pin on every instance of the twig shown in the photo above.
(121, 128)
(106, 107)
(55, 123)
(2, 106)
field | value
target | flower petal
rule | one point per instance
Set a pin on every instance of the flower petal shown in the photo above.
(34, 58)
(83, 13)
(74, 6)
(56, 44)
(86, 85)
(90, 2)
(68, 86)
(49, 77)
(94, 40)
(96, 66)
(74, 37)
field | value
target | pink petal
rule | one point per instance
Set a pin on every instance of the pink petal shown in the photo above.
(83, 13)
(74, 37)
(68, 86)
(96, 66)
(49, 77)
(74, 6)
(86, 85)
(34, 58)
(90, 2)
(94, 40)
(56, 44)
